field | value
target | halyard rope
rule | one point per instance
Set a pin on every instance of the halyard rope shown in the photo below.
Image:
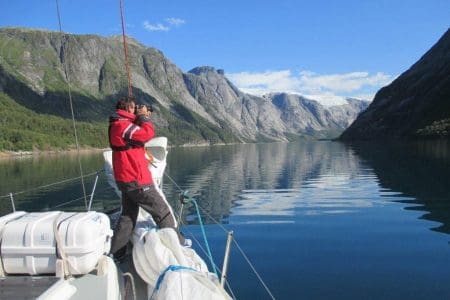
(125, 49)
(202, 227)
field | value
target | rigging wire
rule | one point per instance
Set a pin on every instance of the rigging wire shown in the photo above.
(74, 200)
(243, 254)
(173, 181)
(125, 50)
(48, 185)
(234, 241)
(63, 49)
(205, 253)
(130, 94)
(60, 182)
(63, 204)
(253, 268)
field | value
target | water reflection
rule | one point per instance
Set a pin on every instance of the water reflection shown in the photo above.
(274, 179)
(57, 175)
(260, 182)
(419, 170)
(316, 218)
(309, 178)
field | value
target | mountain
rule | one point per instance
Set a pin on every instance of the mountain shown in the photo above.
(300, 114)
(277, 116)
(198, 107)
(415, 105)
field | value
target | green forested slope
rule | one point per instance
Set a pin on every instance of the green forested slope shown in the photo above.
(34, 96)
(24, 129)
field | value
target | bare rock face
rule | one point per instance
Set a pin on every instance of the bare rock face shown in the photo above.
(247, 116)
(416, 104)
(308, 116)
(202, 105)
(274, 116)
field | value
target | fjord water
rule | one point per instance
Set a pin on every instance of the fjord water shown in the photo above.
(318, 220)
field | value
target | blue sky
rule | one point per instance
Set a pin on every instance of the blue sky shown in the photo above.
(322, 49)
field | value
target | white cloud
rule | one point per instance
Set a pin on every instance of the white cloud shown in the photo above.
(266, 82)
(175, 21)
(347, 82)
(155, 27)
(329, 89)
(169, 23)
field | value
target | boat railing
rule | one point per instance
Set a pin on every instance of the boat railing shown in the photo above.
(11, 195)
(235, 242)
(185, 199)
(198, 207)
(222, 274)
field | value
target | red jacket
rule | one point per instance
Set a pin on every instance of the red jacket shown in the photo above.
(127, 136)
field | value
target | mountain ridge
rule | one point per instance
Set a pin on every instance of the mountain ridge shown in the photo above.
(199, 106)
(415, 105)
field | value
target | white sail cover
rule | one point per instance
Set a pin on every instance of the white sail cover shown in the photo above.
(188, 284)
(170, 270)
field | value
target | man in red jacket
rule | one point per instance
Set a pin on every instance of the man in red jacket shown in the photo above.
(128, 132)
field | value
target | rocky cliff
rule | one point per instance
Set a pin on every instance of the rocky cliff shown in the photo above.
(277, 116)
(201, 106)
(416, 104)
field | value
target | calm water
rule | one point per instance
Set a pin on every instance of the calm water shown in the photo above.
(319, 220)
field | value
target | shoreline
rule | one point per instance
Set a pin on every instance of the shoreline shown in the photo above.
(23, 154)
(5, 154)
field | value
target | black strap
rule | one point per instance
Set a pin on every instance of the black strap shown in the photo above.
(121, 148)
(128, 143)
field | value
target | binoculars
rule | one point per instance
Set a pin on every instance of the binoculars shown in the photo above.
(139, 106)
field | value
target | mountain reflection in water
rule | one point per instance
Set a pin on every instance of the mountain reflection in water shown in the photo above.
(318, 219)
(420, 170)
(315, 178)
(279, 179)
